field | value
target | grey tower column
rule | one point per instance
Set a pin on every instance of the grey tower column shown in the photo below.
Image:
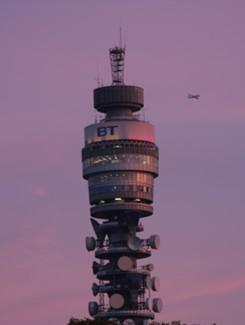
(120, 162)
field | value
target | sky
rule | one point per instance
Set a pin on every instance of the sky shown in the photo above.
(52, 52)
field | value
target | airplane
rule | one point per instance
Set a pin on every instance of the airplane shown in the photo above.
(190, 96)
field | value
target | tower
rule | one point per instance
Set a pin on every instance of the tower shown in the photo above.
(120, 162)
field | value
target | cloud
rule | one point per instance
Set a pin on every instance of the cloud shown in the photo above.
(224, 287)
(39, 191)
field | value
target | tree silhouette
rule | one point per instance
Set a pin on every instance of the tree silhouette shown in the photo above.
(87, 321)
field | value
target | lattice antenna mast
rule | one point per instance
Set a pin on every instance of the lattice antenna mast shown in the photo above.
(117, 55)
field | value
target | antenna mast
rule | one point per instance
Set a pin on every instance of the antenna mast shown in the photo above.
(117, 55)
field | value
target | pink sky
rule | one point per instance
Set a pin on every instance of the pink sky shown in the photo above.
(50, 54)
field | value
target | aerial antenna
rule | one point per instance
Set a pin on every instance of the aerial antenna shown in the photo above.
(117, 55)
(120, 36)
(99, 79)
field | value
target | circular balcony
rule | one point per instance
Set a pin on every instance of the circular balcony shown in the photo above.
(125, 313)
(109, 192)
(109, 252)
(118, 96)
(108, 274)
(119, 208)
(109, 289)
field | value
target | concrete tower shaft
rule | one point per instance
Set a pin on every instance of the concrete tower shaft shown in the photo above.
(120, 163)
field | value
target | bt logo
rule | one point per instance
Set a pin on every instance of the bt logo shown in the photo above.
(106, 130)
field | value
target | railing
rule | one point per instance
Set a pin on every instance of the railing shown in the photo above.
(139, 306)
(106, 245)
(134, 117)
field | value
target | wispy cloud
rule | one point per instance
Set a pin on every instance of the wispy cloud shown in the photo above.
(223, 287)
(39, 191)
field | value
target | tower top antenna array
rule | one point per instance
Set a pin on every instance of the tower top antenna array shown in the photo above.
(117, 58)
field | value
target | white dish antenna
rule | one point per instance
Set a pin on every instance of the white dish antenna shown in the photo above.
(93, 308)
(155, 283)
(154, 241)
(125, 263)
(148, 282)
(116, 301)
(157, 305)
(147, 303)
(95, 289)
(135, 243)
(90, 243)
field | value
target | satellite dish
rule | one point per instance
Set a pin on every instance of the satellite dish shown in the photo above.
(147, 305)
(154, 241)
(134, 243)
(96, 267)
(116, 301)
(148, 282)
(149, 267)
(155, 283)
(95, 289)
(97, 228)
(157, 305)
(93, 308)
(128, 322)
(90, 243)
(125, 263)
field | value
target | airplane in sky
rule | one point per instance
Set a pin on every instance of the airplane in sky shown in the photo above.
(191, 96)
